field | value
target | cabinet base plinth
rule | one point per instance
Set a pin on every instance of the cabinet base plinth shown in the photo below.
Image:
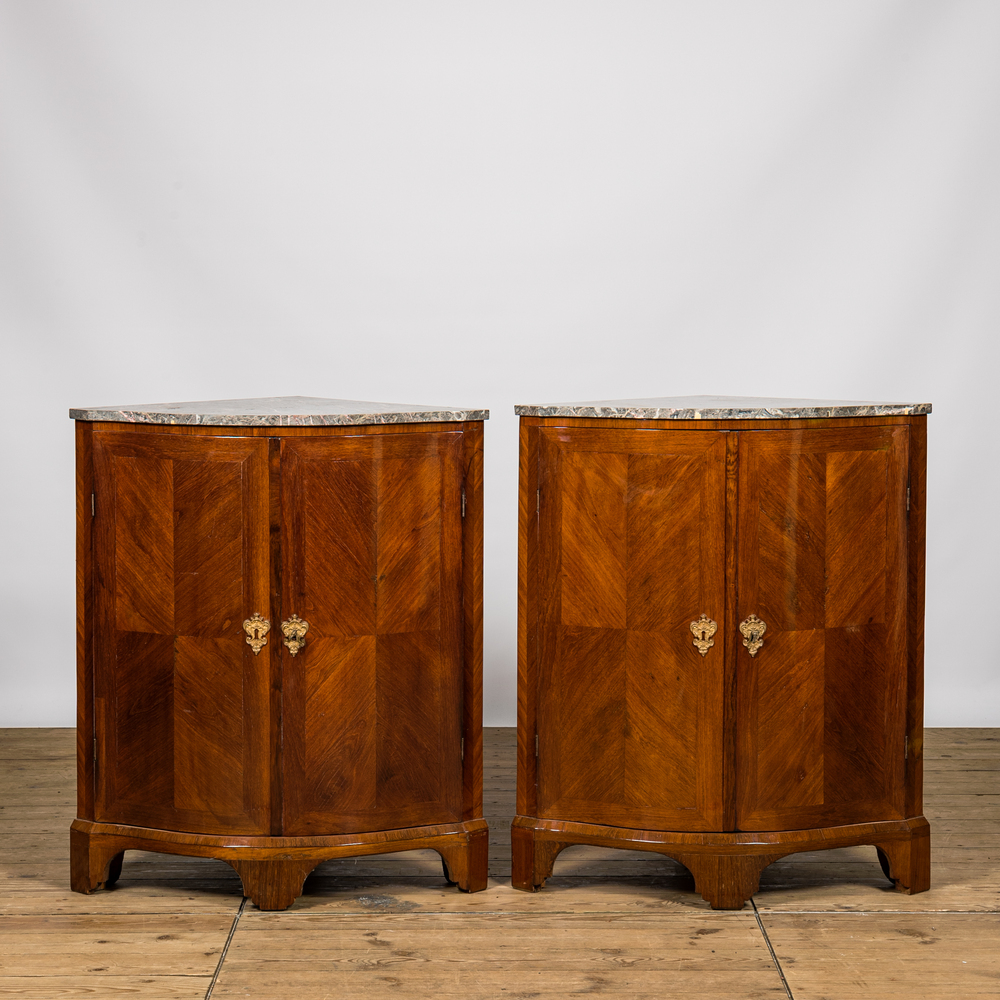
(273, 869)
(726, 866)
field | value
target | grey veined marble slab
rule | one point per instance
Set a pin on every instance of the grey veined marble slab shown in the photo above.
(278, 411)
(721, 408)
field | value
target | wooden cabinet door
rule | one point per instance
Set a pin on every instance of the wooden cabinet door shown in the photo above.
(630, 715)
(373, 562)
(181, 702)
(822, 560)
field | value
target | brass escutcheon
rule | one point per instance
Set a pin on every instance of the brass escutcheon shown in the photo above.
(256, 629)
(703, 630)
(294, 630)
(753, 630)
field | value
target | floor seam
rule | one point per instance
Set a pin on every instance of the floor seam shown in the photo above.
(770, 948)
(225, 948)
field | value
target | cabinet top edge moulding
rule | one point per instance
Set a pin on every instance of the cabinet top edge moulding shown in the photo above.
(721, 408)
(278, 411)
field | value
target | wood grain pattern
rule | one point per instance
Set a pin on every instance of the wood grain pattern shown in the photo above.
(143, 543)
(835, 922)
(273, 868)
(806, 526)
(472, 623)
(85, 733)
(822, 561)
(726, 866)
(181, 702)
(373, 704)
(374, 536)
(642, 956)
(916, 528)
(528, 593)
(149, 955)
(629, 713)
(887, 956)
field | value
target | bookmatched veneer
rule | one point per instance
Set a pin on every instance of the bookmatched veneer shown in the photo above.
(720, 631)
(279, 637)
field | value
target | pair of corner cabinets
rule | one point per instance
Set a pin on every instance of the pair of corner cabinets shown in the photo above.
(280, 639)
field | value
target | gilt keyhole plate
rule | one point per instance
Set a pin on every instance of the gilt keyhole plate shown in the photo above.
(256, 629)
(703, 630)
(294, 629)
(753, 630)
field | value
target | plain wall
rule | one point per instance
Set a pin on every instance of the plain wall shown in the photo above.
(488, 203)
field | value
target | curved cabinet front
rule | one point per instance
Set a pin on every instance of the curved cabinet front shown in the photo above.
(718, 643)
(280, 655)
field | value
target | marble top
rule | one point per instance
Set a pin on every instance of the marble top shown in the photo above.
(721, 408)
(278, 411)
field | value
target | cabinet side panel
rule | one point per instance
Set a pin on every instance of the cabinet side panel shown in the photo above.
(528, 503)
(916, 557)
(472, 589)
(84, 623)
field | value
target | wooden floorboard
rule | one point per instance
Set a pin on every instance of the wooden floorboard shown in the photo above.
(620, 923)
(897, 955)
(478, 955)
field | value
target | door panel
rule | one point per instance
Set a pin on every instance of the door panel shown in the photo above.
(629, 713)
(822, 528)
(181, 535)
(373, 561)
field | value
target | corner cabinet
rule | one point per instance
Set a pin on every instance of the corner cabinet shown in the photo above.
(721, 635)
(279, 637)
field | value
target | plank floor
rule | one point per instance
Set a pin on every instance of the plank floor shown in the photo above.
(824, 926)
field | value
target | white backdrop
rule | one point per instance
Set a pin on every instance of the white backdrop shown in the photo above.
(483, 203)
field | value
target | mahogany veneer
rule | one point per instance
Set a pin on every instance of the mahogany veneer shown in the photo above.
(630, 529)
(369, 738)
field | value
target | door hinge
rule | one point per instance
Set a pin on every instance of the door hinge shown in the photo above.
(463, 501)
(907, 497)
(463, 748)
(93, 506)
(95, 749)
(536, 744)
(538, 500)
(906, 748)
